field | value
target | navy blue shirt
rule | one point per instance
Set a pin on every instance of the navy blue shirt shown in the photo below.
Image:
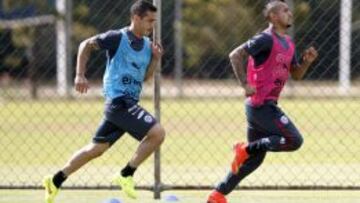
(110, 40)
(259, 47)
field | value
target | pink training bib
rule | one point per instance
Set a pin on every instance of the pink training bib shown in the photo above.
(270, 77)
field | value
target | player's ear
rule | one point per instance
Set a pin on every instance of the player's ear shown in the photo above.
(135, 17)
(272, 16)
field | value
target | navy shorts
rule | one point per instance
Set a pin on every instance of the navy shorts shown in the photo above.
(268, 120)
(120, 116)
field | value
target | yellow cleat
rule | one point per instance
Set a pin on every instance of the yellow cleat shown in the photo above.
(127, 184)
(50, 189)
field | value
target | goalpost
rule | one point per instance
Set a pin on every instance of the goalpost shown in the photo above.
(63, 46)
(28, 22)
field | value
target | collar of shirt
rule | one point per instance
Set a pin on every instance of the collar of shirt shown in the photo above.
(133, 38)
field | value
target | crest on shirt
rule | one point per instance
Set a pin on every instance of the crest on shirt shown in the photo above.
(284, 120)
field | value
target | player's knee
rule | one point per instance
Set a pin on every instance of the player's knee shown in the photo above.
(297, 142)
(160, 136)
(157, 134)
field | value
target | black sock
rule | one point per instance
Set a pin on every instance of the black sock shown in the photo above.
(128, 171)
(59, 178)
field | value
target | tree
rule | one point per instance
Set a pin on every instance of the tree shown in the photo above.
(212, 28)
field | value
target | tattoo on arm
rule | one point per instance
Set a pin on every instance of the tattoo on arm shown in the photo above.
(238, 59)
(85, 49)
(92, 43)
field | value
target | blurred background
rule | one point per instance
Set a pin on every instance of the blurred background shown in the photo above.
(43, 120)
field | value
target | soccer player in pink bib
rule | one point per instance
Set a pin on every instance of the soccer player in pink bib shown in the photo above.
(262, 65)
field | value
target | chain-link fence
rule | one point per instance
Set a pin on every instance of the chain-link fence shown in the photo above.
(42, 124)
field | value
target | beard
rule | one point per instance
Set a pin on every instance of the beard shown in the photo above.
(148, 32)
(289, 24)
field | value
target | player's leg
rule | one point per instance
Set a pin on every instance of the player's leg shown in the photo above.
(249, 165)
(106, 135)
(142, 126)
(282, 133)
(277, 133)
(148, 145)
(268, 130)
(153, 139)
(232, 180)
(83, 156)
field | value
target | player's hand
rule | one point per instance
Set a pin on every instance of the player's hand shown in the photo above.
(249, 90)
(310, 55)
(157, 50)
(81, 84)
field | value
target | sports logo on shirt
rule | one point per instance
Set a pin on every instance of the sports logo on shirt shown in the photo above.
(128, 79)
(284, 120)
(148, 119)
(282, 140)
(135, 65)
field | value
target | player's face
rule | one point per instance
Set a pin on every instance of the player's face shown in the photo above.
(147, 23)
(284, 16)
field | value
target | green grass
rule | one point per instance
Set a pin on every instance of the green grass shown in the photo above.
(38, 137)
(96, 196)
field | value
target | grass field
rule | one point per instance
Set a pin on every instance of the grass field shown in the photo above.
(37, 138)
(96, 196)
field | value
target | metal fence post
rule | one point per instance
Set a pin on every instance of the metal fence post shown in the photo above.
(345, 43)
(157, 96)
(63, 27)
(178, 48)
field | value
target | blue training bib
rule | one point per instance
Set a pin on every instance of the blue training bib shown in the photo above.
(125, 72)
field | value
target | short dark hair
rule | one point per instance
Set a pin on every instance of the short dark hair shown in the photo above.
(140, 7)
(271, 5)
(270, 1)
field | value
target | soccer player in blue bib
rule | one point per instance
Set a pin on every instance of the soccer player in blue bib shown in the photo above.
(131, 59)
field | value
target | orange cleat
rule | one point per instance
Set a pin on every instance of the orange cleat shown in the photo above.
(240, 157)
(216, 197)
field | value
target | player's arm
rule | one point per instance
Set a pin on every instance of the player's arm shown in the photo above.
(85, 49)
(238, 58)
(257, 46)
(157, 52)
(298, 70)
(108, 41)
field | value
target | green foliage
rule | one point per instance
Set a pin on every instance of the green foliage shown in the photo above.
(41, 5)
(215, 27)
(211, 29)
(302, 9)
